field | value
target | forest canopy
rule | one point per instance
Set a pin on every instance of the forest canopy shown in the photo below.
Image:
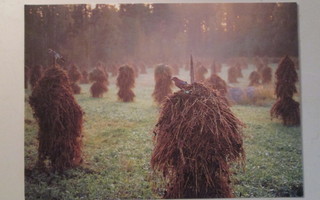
(86, 34)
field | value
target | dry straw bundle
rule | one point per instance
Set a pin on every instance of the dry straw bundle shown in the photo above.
(260, 66)
(74, 76)
(60, 121)
(100, 79)
(288, 110)
(233, 74)
(286, 78)
(125, 82)
(254, 78)
(215, 67)
(239, 70)
(266, 75)
(35, 75)
(162, 76)
(217, 83)
(196, 138)
(84, 77)
(200, 73)
(285, 107)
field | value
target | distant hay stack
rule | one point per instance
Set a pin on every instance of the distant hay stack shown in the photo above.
(254, 78)
(285, 107)
(215, 68)
(84, 77)
(266, 75)
(260, 67)
(100, 79)
(74, 76)
(233, 74)
(60, 121)
(217, 83)
(162, 76)
(196, 139)
(125, 82)
(35, 75)
(239, 70)
(200, 73)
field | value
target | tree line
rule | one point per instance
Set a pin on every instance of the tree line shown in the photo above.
(86, 34)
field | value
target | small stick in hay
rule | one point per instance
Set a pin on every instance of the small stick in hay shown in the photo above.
(196, 138)
(60, 120)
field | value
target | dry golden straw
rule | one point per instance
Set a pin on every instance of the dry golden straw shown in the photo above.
(60, 121)
(196, 138)
(162, 76)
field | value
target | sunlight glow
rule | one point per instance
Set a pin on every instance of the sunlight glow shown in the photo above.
(93, 5)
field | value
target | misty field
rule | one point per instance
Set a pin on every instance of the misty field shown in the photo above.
(118, 145)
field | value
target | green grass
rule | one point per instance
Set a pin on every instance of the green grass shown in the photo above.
(118, 146)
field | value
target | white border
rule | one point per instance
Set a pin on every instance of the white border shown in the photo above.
(12, 92)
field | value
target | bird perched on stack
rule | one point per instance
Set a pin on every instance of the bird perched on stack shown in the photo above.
(180, 83)
(56, 55)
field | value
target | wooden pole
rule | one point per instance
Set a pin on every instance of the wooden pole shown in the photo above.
(191, 70)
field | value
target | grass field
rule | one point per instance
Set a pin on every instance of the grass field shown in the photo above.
(118, 147)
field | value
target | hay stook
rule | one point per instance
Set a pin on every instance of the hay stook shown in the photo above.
(286, 77)
(254, 78)
(233, 74)
(162, 76)
(60, 120)
(125, 83)
(215, 67)
(266, 75)
(238, 70)
(196, 138)
(100, 79)
(84, 77)
(35, 75)
(200, 72)
(75, 76)
(285, 107)
(216, 82)
(288, 110)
